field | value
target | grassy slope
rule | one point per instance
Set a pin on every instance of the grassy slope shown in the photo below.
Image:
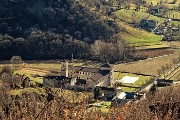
(130, 15)
(137, 37)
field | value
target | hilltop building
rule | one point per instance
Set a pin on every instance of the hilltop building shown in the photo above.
(81, 77)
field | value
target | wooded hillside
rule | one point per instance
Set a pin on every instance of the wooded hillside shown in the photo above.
(51, 29)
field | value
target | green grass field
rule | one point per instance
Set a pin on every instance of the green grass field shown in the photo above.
(141, 81)
(137, 37)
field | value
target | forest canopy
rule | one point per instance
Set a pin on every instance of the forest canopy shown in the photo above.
(56, 29)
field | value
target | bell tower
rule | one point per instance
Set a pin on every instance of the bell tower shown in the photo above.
(112, 77)
(64, 68)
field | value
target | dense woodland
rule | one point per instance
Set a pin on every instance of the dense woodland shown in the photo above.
(56, 29)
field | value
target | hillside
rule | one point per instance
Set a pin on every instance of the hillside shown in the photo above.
(90, 60)
(138, 37)
(130, 15)
(53, 29)
(57, 29)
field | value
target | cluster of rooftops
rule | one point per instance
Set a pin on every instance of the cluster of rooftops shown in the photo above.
(81, 76)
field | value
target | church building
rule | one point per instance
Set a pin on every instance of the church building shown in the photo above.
(84, 77)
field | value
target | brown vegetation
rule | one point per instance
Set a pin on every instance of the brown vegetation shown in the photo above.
(154, 53)
(53, 105)
(148, 66)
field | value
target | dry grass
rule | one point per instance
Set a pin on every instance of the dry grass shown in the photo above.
(173, 44)
(56, 66)
(147, 67)
(20, 91)
(33, 71)
(44, 66)
(175, 75)
(72, 96)
(154, 53)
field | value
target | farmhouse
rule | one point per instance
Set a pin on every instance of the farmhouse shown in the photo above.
(82, 77)
(56, 81)
(123, 98)
(104, 93)
(148, 23)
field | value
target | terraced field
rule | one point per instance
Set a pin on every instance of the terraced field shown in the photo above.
(131, 16)
(147, 67)
(175, 75)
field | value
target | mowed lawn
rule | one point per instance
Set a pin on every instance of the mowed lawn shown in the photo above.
(141, 81)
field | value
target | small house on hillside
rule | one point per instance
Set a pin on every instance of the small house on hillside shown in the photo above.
(105, 93)
(154, 10)
(144, 23)
(124, 97)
